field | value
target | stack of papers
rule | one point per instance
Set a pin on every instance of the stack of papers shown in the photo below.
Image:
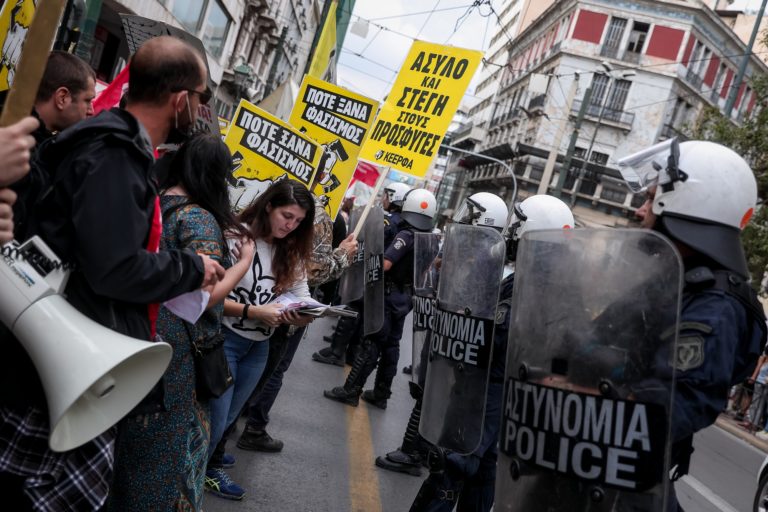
(309, 306)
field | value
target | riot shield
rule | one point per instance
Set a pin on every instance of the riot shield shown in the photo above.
(373, 317)
(589, 381)
(461, 342)
(352, 281)
(425, 278)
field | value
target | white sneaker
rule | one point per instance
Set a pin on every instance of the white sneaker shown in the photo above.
(762, 435)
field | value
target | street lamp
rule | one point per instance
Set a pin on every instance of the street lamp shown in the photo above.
(243, 74)
(607, 71)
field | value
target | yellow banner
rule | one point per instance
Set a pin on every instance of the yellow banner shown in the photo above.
(15, 18)
(339, 120)
(264, 150)
(324, 59)
(420, 107)
(223, 125)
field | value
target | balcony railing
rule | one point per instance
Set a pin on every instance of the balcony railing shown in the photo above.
(614, 52)
(537, 101)
(625, 119)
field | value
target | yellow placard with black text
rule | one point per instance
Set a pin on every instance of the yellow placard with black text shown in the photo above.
(264, 150)
(339, 120)
(414, 119)
(15, 19)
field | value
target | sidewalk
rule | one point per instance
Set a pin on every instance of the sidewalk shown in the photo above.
(732, 426)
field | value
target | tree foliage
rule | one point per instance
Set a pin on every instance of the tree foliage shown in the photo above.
(750, 140)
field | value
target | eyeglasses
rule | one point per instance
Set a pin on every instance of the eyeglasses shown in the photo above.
(205, 96)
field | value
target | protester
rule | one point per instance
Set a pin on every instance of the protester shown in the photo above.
(196, 215)
(280, 220)
(329, 259)
(16, 143)
(102, 217)
(64, 98)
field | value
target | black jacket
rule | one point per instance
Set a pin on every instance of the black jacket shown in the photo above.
(98, 217)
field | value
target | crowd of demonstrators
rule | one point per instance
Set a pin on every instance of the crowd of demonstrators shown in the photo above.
(197, 217)
(102, 217)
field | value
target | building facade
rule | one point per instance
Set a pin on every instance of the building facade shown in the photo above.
(643, 72)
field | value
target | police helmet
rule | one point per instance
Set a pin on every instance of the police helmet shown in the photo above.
(419, 207)
(536, 213)
(396, 193)
(483, 209)
(705, 194)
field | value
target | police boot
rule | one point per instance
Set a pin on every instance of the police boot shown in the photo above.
(335, 353)
(407, 459)
(349, 393)
(378, 396)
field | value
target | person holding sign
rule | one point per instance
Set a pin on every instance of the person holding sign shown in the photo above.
(383, 348)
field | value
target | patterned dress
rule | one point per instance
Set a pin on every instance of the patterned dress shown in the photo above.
(161, 457)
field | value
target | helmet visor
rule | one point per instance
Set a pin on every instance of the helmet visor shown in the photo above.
(640, 171)
(469, 212)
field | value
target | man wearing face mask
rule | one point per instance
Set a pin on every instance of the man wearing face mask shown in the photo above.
(102, 216)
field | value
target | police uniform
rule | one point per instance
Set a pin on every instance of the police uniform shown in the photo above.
(722, 333)
(468, 481)
(391, 226)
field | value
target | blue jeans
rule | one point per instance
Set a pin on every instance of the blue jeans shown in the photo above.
(247, 360)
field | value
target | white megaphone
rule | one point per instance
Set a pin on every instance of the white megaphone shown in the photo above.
(92, 376)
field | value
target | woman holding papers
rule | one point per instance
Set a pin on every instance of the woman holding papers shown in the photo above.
(280, 220)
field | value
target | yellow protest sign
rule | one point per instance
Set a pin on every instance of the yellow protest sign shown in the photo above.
(420, 106)
(15, 20)
(339, 120)
(264, 150)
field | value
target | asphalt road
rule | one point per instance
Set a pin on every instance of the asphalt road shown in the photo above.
(327, 463)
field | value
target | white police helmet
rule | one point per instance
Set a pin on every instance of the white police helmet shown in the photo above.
(396, 192)
(483, 209)
(539, 212)
(705, 195)
(419, 207)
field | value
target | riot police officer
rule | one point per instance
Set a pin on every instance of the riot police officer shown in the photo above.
(701, 195)
(348, 331)
(485, 209)
(467, 482)
(383, 347)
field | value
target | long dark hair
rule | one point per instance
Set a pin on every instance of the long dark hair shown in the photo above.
(293, 251)
(201, 166)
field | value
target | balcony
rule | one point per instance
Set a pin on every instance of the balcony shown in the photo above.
(537, 102)
(614, 52)
(611, 52)
(619, 118)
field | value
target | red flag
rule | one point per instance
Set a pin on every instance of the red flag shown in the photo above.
(110, 97)
(367, 173)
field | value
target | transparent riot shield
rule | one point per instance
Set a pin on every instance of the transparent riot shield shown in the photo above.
(461, 342)
(352, 281)
(589, 383)
(373, 317)
(426, 247)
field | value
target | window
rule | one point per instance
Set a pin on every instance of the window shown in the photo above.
(613, 195)
(188, 12)
(216, 29)
(618, 95)
(598, 158)
(615, 32)
(637, 37)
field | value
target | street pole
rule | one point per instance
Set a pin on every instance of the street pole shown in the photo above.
(550, 165)
(490, 158)
(580, 176)
(744, 60)
(558, 192)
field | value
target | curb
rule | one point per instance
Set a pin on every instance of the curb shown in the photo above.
(731, 427)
